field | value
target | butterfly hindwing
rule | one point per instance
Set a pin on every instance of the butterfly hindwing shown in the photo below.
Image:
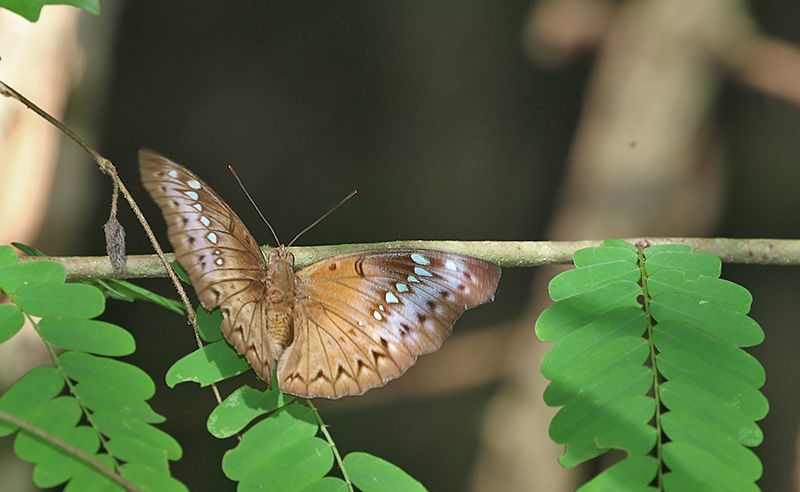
(220, 255)
(361, 319)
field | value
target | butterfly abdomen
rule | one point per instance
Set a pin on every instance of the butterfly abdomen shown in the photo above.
(280, 299)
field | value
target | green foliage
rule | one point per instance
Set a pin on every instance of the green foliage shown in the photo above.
(31, 9)
(116, 449)
(647, 360)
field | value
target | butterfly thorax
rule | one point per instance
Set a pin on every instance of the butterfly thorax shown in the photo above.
(280, 297)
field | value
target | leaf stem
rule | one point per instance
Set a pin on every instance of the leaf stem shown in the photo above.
(654, 366)
(324, 429)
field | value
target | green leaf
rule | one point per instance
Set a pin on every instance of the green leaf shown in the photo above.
(82, 367)
(55, 466)
(208, 323)
(11, 321)
(720, 292)
(7, 256)
(691, 264)
(181, 272)
(327, 484)
(627, 321)
(579, 280)
(573, 313)
(258, 445)
(79, 300)
(118, 426)
(713, 319)
(620, 422)
(685, 459)
(682, 366)
(88, 478)
(97, 337)
(618, 243)
(682, 427)
(212, 363)
(633, 474)
(241, 407)
(28, 250)
(120, 289)
(585, 375)
(595, 256)
(134, 451)
(292, 468)
(372, 474)
(57, 417)
(31, 9)
(150, 479)
(712, 411)
(675, 335)
(100, 397)
(18, 275)
(29, 394)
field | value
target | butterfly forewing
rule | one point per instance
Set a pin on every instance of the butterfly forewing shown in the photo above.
(361, 319)
(221, 257)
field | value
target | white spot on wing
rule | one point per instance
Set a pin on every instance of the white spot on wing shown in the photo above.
(198, 207)
(419, 259)
(194, 184)
(401, 287)
(413, 279)
(450, 265)
(391, 298)
(377, 315)
(191, 194)
(422, 272)
(212, 237)
(380, 306)
(205, 220)
(173, 174)
(219, 261)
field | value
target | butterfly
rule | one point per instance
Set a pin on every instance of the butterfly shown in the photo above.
(337, 327)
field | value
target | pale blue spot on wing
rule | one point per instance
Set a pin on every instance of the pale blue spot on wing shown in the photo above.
(173, 174)
(192, 195)
(205, 220)
(413, 279)
(194, 184)
(422, 272)
(212, 237)
(419, 259)
(198, 207)
(391, 298)
(401, 287)
(450, 265)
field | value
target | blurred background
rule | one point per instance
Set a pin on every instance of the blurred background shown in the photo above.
(501, 120)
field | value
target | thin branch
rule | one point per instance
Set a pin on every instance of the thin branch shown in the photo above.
(103, 263)
(324, 429)
(69, 448)
(508, 254)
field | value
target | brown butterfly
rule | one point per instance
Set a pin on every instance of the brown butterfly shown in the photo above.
(337, 327)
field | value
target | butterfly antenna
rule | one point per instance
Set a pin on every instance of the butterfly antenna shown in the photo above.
(320, 219)
(277, 241)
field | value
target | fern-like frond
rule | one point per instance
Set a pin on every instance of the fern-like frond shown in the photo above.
(647, 360)
(118, 449)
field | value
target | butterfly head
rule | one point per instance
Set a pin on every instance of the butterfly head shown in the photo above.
(280, 255)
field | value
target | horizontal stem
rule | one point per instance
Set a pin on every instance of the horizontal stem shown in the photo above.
(504, 253)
